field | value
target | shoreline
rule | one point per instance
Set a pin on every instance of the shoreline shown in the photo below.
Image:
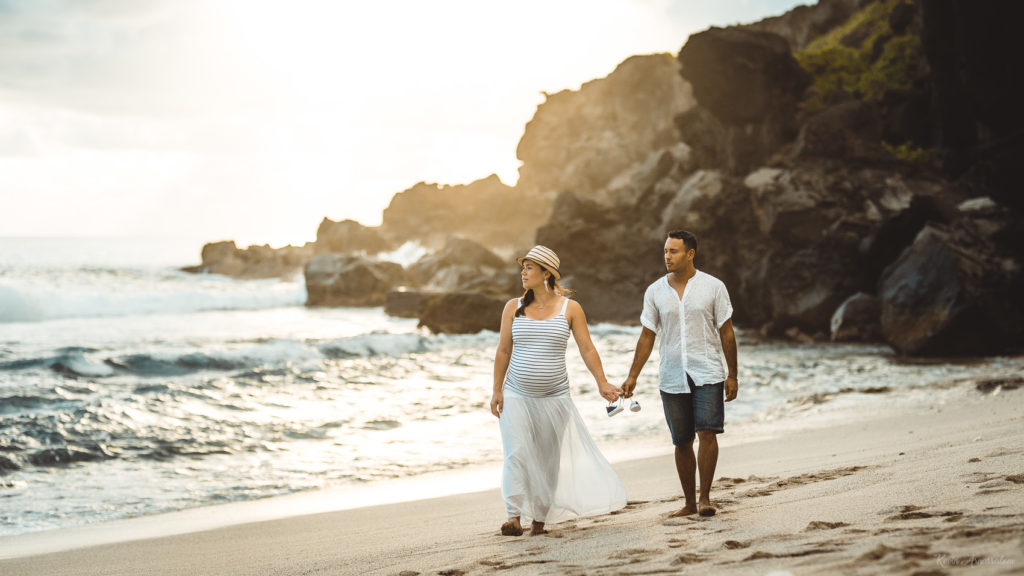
(898, 491)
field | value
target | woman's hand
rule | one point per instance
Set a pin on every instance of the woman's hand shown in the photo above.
(609, 392)
(497, 404)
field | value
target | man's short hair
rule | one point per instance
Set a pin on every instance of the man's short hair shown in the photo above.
(688, 238)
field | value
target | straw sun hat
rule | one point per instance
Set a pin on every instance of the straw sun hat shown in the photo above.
(544, 256)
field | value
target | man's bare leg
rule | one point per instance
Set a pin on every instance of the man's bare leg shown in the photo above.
(707, 460)
(686, 467)
(512, 527)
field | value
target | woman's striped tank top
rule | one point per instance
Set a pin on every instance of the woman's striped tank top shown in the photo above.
(537, 367)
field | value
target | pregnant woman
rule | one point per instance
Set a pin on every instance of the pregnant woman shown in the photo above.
(553, 471)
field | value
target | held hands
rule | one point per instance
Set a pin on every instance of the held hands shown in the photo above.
(731, 388)
(628, 386)
(497, 404)
(609, 392)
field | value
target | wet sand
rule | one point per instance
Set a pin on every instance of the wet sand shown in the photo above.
(926, 489)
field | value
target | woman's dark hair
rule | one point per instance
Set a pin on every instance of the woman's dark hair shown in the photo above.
(689, 240)
(552, 284)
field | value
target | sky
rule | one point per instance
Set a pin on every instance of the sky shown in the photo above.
(253, 120)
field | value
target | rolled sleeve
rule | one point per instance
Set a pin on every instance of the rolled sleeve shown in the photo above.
(723, 306)
(649, 317)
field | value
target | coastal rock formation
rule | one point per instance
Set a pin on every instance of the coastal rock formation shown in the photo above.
(606, 257)
(464, 265)
(408, 302)
(463, 313)
(748, 85)
(486, 211)
(342, 280)
(803, 24)
(252, 262)
(580, 140)
(976, 116)
(350, 237)
(850, 130)
(956, 289)
(853, 147)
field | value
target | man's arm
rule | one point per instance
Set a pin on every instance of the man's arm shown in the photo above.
(644, 346)
(729, 347)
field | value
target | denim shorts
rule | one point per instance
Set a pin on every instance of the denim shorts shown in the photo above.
(703, 409)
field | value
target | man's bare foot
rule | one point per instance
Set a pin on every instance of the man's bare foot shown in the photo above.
(512, 527)
(537, 528)
(706, 509)
(684, 511)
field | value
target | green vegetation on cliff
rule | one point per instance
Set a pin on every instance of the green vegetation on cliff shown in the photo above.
(862, 57)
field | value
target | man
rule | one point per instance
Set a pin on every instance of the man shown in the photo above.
(692, 313)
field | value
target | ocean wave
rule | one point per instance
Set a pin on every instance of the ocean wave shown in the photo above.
(257, 362)
(35, 300)
(374, 344)
(68, 361)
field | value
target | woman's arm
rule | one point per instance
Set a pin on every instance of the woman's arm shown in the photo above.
(502, 356)
(578, 324)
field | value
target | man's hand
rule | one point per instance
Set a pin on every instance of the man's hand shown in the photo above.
(497, 404)
(628, 386)
(731, 388)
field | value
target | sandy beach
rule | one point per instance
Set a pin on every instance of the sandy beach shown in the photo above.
(925, 489)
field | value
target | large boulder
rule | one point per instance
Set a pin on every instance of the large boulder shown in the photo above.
(956, 290)
(349, 237)
(747, 85)
(462, 313)
(580, 140)
(463, 265)
(408, 302)
(253, 262)
(343, 280)
(742, 76)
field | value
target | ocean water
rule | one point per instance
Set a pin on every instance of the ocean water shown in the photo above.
(130, 388)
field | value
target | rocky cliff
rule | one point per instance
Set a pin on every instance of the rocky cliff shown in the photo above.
(837, 170)
(848, 168)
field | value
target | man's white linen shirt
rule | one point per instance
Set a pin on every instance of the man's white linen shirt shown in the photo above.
(704, 308)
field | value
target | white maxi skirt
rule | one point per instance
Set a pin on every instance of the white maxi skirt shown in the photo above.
(553, 470)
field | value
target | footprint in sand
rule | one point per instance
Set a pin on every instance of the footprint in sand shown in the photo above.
(978, 477)
(801, 480)
(634, 555)
(991, 533)
(735, 544)
(911, 512)
(911, 552)
(822, 525)
(688, 559)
